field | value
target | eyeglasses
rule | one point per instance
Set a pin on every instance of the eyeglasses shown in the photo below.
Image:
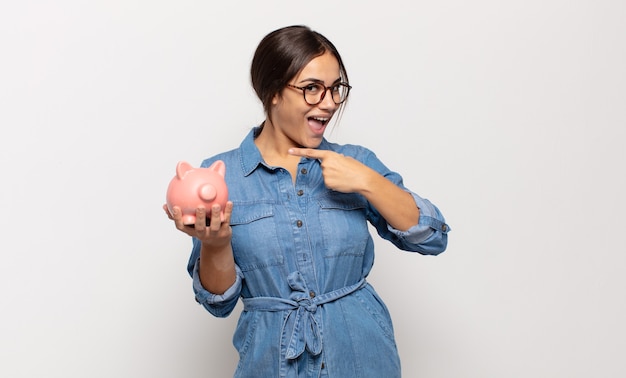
(315, 93)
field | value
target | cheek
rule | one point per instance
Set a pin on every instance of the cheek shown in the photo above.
(292, 113)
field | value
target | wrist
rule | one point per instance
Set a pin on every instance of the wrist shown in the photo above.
(217, 256)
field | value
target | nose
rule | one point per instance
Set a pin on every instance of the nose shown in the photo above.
(327, 100)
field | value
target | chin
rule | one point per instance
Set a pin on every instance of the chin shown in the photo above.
(312, 143)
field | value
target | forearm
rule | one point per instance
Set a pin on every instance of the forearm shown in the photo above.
(396, 205)
(216, 268)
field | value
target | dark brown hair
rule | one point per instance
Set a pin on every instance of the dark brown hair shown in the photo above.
(282, 54)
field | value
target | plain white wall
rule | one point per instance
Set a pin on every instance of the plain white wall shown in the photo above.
(510, 116)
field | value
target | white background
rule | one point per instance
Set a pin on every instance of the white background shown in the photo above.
(509, 115)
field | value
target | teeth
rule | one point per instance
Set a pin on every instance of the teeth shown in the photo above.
(320, 119)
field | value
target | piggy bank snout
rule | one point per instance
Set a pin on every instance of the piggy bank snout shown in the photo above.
(207, 192)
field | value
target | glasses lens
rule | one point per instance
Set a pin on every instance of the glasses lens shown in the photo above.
(340, 93)
(314, 93)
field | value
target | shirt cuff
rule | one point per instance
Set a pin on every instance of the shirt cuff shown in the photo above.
(430, 221)
(205, 297)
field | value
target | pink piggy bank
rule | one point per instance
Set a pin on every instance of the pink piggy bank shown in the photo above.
(194, 187)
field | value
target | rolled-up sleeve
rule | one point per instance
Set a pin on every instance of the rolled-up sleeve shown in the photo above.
(220, 305)
(429, 236)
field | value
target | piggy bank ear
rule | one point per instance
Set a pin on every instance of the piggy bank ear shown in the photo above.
(219, 167)
(182, 168)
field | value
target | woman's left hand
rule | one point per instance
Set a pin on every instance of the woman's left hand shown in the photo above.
(347, 175)
(341, 173)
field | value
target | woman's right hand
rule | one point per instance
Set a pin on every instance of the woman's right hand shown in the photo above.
(216, 235)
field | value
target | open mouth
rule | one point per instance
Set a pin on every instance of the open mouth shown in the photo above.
(318, 122)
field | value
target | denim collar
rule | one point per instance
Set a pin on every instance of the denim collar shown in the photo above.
(250, 156)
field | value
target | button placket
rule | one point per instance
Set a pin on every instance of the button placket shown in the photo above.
(305, 259)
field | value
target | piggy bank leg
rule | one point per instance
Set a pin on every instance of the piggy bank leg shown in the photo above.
(189, 220)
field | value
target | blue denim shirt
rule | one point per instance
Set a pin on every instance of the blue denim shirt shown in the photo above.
(302, 254)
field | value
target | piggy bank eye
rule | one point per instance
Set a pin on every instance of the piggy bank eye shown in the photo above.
(207, 192)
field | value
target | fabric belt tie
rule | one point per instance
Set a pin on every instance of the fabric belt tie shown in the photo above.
(300, 325)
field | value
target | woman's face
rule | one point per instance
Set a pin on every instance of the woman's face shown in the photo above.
(296, 122)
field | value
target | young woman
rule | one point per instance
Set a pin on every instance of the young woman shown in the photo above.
(294, 244)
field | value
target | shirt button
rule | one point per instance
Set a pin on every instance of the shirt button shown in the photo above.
(299, 223)
(300, 192)
(303, 171)
(312, 294)
(444, 228)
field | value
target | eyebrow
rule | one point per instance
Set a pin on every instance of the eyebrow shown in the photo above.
(337, 81)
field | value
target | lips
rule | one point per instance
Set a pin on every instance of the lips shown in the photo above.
(317, 125)
(323, 120)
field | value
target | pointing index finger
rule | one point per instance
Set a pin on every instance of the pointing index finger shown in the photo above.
(308, 153)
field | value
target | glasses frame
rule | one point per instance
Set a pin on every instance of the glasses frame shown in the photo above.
(303, 89)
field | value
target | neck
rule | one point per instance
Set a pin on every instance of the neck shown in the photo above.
(271, 143)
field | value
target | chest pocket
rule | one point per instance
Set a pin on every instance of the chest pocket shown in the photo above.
(255, 238)
(344, 224)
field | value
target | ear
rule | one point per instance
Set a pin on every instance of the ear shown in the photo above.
(219, 167)
(276, 99)
(182, 168)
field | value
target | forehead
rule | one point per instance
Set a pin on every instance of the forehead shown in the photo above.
(324, 67)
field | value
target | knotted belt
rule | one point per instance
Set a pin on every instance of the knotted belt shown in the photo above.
(300, 326)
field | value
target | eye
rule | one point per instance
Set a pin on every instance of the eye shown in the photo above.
(313, 88)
